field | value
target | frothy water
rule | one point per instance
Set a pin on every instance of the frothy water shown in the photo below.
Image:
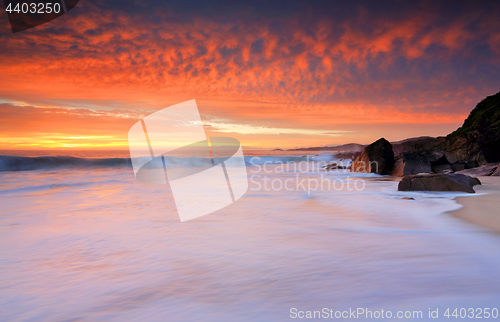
(39, 161)
(95, 244)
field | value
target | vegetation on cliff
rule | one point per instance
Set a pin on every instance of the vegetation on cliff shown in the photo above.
(484, 118)
(480, 132)
(477, 140)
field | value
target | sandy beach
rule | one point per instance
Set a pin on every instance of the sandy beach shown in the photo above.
(482, 209)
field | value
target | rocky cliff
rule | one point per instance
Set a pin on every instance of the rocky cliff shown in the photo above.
(478, 139)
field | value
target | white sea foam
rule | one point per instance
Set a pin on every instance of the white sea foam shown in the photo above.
(98, 245)
(23, 163)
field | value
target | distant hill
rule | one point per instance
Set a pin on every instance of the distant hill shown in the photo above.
(411, 140)
(350, 147)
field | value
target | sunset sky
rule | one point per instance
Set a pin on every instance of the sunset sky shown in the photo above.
(271, 74)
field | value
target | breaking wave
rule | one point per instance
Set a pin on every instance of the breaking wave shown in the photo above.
(18, 163)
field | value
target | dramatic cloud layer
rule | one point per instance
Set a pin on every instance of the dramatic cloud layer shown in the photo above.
(333, 72)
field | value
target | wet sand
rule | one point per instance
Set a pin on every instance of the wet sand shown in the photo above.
(482, 210)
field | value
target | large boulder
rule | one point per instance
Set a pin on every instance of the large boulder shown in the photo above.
(439, 162)
(438, 182)
(458, 166)
(471, 164)
(442, 168)
(377, 157)
(463, 165)
(436, 157)
(415, 163)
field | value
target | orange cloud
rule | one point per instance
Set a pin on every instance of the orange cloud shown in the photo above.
(274, 72)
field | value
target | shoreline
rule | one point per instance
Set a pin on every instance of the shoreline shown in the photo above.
(483, 210)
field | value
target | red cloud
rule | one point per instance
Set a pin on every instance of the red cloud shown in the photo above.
(317, 73)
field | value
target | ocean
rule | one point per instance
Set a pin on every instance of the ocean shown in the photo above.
(82, 240)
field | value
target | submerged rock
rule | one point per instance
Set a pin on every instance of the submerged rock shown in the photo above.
(334, 166)
(438, 182)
